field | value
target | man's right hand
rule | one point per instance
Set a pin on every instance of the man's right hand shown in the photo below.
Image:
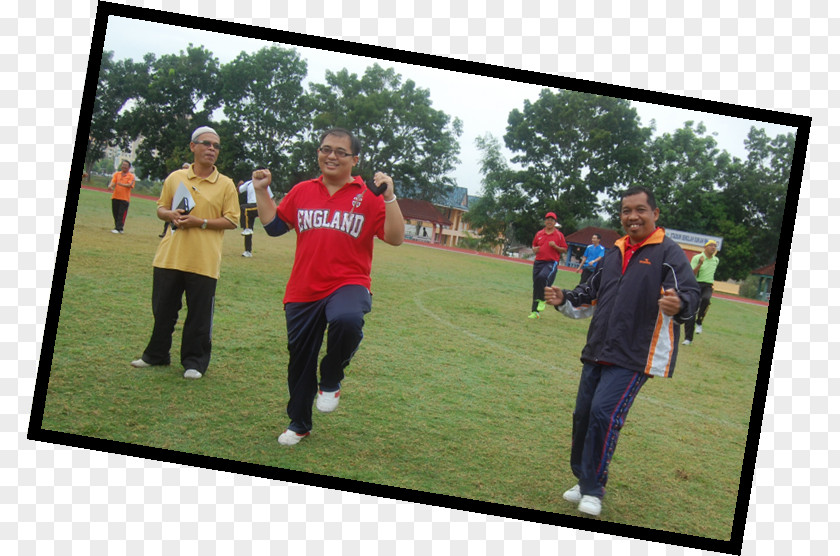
(554, 296)
(261, 179)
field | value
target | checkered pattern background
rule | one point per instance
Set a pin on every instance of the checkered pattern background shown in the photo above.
(777, 55)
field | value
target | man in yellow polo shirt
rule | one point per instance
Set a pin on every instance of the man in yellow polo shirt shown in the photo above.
(189, 257)
(704, 264)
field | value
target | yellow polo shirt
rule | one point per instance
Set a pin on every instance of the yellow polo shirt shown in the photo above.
(193, 249)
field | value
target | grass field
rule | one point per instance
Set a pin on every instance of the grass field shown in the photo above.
(453, 391)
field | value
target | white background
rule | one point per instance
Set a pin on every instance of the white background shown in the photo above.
(777, 55)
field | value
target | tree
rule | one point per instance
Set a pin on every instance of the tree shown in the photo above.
(686, 175)
(755, 199)
(703, 190)
(574, 146)
(400, 131)
(116, 85)
(174, 100)
(264, 102)
(501, 212)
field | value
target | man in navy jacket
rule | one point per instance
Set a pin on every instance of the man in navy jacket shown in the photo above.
(637, 299)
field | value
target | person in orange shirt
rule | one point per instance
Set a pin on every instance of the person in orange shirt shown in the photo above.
(121, 184)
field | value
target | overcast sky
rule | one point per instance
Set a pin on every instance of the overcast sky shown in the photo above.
(482, 103)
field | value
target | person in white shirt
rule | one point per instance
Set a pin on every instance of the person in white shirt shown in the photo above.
(248, 214)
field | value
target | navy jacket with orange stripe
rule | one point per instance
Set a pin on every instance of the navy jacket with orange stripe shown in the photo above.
(628, 329)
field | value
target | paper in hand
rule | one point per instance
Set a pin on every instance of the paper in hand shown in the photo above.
(182, 200)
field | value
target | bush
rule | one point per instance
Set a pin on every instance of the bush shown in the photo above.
(749, 288)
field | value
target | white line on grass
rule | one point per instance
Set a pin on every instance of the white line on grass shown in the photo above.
(682, 411)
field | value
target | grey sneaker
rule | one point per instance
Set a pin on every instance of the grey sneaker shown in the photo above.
(573, 494)
(687, 343)
(290, 437)
(192, 373)
(699, 329)
(590, 505)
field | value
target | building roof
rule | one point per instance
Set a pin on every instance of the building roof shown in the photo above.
(454, 197)
(584, 236)
(412, 209)
(768, 270)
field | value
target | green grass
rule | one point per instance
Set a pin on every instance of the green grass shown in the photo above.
(453, 391)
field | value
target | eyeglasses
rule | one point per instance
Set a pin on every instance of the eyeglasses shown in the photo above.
(340, 153)
(207, 143)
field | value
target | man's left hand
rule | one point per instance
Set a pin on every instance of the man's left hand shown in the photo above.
(378, 179)
(670, 303)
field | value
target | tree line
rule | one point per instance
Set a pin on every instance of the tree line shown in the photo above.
(266, 118)
(574, 153)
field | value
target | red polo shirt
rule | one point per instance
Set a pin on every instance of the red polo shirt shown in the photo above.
(334, 237)
(546, 252)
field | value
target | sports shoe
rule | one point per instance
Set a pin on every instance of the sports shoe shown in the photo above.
(247, 232)
(247, 254)
(573, 494)
(290, 437)
(699, 329)
(140, 364)
(541, 306)
(534, 315)
(327, 401)
(590, 505)
(115, 231)
(192, 373)
(687, 343)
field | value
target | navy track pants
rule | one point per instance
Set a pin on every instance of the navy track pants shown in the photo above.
(544, 274)
(341, 314)
(604, 397)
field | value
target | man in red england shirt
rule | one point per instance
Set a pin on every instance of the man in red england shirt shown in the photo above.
(549, 245)
(336, 218)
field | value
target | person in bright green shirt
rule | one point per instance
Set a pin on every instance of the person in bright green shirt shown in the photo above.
(704, 264)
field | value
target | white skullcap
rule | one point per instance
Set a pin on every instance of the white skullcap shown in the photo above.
(203, 129)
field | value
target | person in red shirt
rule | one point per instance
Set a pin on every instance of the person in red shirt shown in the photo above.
(121, 184)
(549, 245)
(336, 218)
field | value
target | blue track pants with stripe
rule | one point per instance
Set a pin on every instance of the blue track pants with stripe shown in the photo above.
(604, 397)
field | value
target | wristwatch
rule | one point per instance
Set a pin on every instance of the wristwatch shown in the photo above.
(204, 226)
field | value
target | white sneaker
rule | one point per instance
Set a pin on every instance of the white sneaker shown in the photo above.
(192, 373)
(699, 329)
(115, 231)
(247, 232)
(140, 364)
(687, 343)
(247, 254)
(290, 437)
(573, 494)
(590, 505)
(327, 401)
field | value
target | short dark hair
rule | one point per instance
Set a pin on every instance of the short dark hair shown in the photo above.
(355, 144)
(635, 190)
(125, 161)
(597, 235)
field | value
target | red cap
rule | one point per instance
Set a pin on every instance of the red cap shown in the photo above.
(551, 215)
